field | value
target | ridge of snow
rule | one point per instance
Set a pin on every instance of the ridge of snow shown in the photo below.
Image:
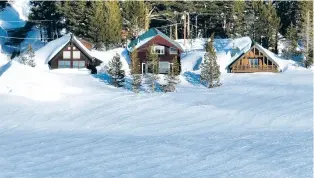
(22, 7)
(282, 63)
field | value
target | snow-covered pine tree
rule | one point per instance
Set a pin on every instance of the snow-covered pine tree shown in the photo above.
(28, 57)
(210, 73)
(152, 62)
(136, 71)
(116, 72)
(172, 77)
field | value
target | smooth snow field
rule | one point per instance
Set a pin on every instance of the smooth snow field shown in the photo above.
(68, 123)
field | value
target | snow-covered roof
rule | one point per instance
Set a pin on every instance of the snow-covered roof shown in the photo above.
(242, 46)
(147, 36)
(52, 48)
(280, 62)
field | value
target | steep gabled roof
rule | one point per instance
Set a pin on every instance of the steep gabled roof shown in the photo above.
(147, 36)
(55, 46)
(279, 62)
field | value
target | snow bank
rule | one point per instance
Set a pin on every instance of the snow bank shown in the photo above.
(34, 40)
(32, 83)
(106, 56)
(10, 14)
(22, 7)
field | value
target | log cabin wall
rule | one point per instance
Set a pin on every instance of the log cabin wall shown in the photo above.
(253, 61)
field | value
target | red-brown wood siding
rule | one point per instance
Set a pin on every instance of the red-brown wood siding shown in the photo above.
(59, 56)
(142, 51)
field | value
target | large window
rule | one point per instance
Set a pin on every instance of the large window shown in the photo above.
(254, 62)
(64, 64)
(159, 50)
(173, 50)
(66, 54)
(164, 67)
(78, 64)
(76, 55)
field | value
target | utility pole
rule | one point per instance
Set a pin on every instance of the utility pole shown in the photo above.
(184, 27)
(170, 32)
(188, 27)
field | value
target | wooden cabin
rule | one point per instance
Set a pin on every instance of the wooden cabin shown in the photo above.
(257, 59)
(73, 54)
(161, 44)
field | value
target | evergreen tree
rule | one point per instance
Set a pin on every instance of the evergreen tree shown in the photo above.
(113, 24)
(172, 77)
(136, 71)
(116, 72)
(28, 57)
(47, 10)
(291, 36)
(75, 15)
(97, 24)
(306, 30)
(152, 62)
(237, 19)
(134, 13)
(210, 73)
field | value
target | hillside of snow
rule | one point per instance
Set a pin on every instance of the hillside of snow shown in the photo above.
(68, 123)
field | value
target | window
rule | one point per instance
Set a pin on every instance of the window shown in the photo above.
(76, 55)
(74, 48)
(254, 62)
(78, 64)
(256, 52)
(66, 54)
(173, 50)
(64, 64)
(159, 50)
(164, 67)
(69, 47)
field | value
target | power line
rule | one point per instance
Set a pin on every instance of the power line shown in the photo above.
(25, 38)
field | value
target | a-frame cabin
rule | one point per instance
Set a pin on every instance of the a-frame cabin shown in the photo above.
(257, 59)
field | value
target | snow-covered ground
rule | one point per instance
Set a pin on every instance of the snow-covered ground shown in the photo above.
(68, 123)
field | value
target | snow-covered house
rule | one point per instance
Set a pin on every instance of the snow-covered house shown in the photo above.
(256, 59)
(67, 52)
(165, 47)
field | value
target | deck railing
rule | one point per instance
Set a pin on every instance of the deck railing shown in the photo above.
(248, 68)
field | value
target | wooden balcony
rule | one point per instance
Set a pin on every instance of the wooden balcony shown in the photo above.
(249, 69)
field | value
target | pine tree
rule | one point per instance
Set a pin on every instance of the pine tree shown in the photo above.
(28, 57)
(152, 62)
(136, 71)
(134, 13)
(291, 36)
(172, 77)
(210, 73)
(113, 24)
(238, 20)
(47, 10)
(116, 72)
(306, 30)
(97, 25)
